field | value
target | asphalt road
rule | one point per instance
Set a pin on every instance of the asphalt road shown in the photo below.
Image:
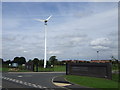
(29, 80)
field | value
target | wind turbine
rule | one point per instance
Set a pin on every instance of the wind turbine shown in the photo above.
(45, 24)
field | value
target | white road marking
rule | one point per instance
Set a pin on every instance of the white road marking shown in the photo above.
(29, 84)
(14, 80)
(24, 83)
(10, 79)
(4, 77)
(39, 86)
(34, 85)
(21, 82)
(20, 76)
(17, 81)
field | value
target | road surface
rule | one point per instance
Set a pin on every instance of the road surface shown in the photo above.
(29, 79)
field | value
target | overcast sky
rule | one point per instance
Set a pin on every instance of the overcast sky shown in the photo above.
(77, 30)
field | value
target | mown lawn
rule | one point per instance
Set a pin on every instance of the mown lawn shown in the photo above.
(56, 68)
(0, 68)
(115, 77)
(92, 81)
(115, 67)
(60, 68)
(5, 69)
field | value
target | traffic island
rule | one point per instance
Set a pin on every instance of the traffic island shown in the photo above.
(62, 82)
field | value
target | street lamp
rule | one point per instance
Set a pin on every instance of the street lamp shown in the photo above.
(97, 55)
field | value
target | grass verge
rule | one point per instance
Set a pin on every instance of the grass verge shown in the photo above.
(5, 69)
(56, 68)
(92, 81)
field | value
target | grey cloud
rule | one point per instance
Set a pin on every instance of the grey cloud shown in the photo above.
(67, 39)
(101, 44)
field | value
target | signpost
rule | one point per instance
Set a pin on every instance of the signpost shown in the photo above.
(15, 65)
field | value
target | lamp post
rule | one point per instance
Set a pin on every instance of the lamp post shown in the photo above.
(97, 55)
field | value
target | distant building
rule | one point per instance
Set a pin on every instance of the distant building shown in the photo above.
(100, 61)
(15, 65)
(74, 61)
(84, 61)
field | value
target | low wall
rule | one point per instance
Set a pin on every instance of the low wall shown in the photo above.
(102, 70)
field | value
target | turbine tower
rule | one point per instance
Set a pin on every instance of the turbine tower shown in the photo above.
(45, 24)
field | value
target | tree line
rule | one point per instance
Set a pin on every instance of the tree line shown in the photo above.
(22, 60)
(19, 60)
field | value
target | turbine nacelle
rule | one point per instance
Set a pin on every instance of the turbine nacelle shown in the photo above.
(45, 21)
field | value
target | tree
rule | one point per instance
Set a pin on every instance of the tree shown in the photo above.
(16, 60)
(53, 60)
(41, 62)
(19, 60)
(36, 61)
(29, 61)
(22, 60)
(8, 62)
(114, 62)
(1, 60)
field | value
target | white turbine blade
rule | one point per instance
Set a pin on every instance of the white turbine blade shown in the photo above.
(39, 20)
(49, 17)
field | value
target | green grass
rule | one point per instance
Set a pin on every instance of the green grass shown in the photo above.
(56, 68)
(45, 69)
(5, 69)
(60, 68)
(115, 77)
(24, 71)
(92, 81)
(115, 67)
(0, 68)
